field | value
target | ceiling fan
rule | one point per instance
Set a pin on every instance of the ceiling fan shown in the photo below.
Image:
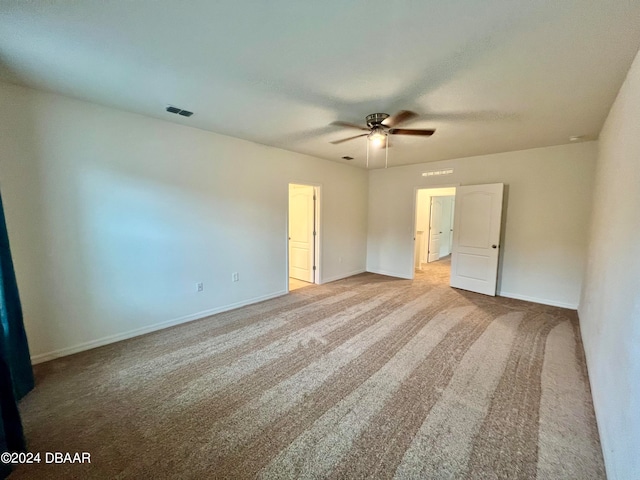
(380, 125)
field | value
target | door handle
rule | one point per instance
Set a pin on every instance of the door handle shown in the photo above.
(494, 246)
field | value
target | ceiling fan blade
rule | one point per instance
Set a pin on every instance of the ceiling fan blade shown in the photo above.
(410, 131)
(335, 142)
(400, 117)
(349, 125)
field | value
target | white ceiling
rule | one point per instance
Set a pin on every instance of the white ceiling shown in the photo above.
(489, 75)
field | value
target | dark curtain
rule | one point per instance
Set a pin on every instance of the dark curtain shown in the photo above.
(16, 374)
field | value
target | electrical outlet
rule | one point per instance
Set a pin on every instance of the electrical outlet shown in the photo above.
(235, 277)
(200, 286)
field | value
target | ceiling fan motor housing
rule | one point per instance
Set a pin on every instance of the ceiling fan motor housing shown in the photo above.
(375, 119)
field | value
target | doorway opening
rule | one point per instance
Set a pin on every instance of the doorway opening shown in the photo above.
(303, 252)
(435, 208)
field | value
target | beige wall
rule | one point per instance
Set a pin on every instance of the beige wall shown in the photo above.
(548, 200)
(610, 306)
(114, 217)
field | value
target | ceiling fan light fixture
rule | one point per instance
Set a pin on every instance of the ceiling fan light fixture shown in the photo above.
(377, 137)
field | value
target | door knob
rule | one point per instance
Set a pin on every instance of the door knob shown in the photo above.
(494, 246)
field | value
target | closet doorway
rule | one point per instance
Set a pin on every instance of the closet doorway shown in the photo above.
(303, 235)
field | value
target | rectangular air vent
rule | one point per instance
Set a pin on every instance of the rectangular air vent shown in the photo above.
(179, 111)
(432, 173)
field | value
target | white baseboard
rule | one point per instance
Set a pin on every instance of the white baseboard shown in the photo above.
(544, 301)
(63, 352)
(343, 275)
(388, 273)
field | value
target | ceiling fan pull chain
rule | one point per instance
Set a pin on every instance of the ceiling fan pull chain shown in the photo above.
(386, 154)
(367, 153)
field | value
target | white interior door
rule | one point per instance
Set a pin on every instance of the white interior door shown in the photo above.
(435, 229)
(476, 236)
(446, 226)
(301, 226)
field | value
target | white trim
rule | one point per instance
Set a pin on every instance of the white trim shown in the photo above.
(543, 301)
(389, 273)
(343, 275)
(63, 352)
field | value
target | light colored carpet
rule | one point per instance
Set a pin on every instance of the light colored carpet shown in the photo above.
(369, 377)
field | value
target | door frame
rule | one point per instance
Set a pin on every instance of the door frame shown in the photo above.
(317, 241)
(415, 217)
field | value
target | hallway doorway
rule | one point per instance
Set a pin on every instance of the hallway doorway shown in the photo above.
(433, 227)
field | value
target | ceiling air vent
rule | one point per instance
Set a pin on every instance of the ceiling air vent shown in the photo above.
(179, 111)
(435, 173)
